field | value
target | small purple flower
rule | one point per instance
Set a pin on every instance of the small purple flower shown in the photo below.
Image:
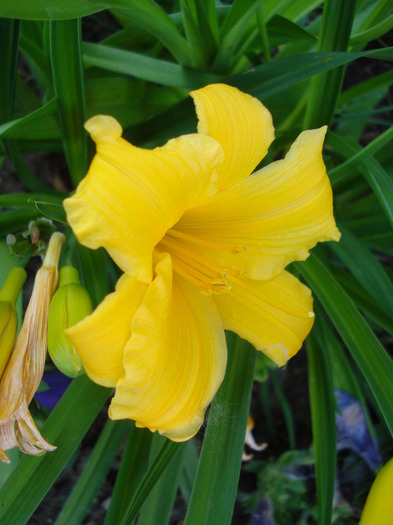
(352, 431)
(56, 383)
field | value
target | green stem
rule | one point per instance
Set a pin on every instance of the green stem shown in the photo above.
(214, 492)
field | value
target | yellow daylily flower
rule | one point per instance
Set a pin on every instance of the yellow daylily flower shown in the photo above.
(25, 365)
(203, 246)
(378, 509)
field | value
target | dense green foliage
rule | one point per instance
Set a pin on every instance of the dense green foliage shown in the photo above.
(311, 63)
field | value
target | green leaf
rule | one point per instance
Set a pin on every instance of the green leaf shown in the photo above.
(132, 467)
(366, 304)
(365, 268)
(94, 473)
(9, 39)
(12, 221)
(164, 457)
(65, 427)
(372, 171)
(68, 82)
(154, 19)
(27, 200)
(214, 492)
(263, 82)
(41, 124)
(372, 359)
(231, 39)
(52, 211)
(373, 33)
(282, 30)
(337, 20)
(144, 67)
(337, 174)
(158, 505)
(200, 26)
(94, 272)
(323, 427)
(58, 9)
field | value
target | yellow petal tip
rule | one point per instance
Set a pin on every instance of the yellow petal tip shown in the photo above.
(103, 127)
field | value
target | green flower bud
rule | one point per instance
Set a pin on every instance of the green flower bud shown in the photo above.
(8, 316)
(70, 304)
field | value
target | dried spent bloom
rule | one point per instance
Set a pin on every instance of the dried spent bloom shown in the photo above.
(250, 441)
(25, 365)
(203, 243)
(70, 304)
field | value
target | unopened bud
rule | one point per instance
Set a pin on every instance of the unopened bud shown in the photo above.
(8, 316)
(70, 304)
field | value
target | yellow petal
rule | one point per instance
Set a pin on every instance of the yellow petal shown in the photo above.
(131, 196)
(175, 359)
(270, 219)
(378, 509)
(240, 123)
(100, 338)
(274, 315)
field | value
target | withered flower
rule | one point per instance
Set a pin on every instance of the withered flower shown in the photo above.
(25, 365)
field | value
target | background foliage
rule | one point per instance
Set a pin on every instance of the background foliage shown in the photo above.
(311, 63)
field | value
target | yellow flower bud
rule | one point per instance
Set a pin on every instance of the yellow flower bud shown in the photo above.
(70, 304)
(378, 509)
(8, 317)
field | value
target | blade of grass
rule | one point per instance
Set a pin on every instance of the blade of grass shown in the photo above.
(285, 407)
(375, 175)
(372, 359)
(41, 124)
(214, 492)
(158, 506)
(12, 221)
(339, 173)
(344, 377)
(9, 40)
(200, 25)
(68, 83)
(365, 268)
(190, 465)
(94, 473)
(133, 465)
(94, 273)
(144, 67)
(337, 20)
(27, 200)
(373, 33)
(232, 39)
(323, 427)
(156, 21)
(366, 304)
(263, 82)
(58, 9)
(65, 428)
(163, 458)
